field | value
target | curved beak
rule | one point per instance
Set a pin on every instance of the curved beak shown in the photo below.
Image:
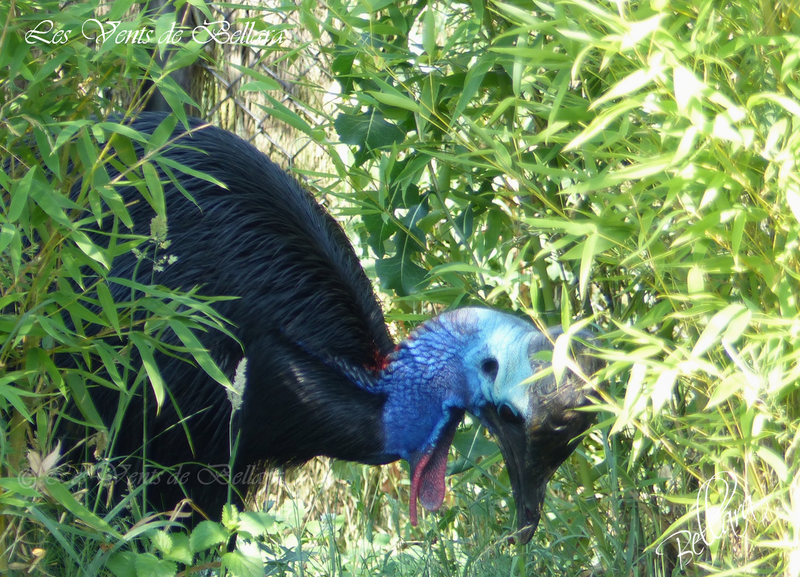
(534, 446)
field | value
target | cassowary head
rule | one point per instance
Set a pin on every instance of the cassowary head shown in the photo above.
(538, 429)
(497, 367)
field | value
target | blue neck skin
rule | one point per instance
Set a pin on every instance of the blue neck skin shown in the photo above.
(424, 382)
(461, 360)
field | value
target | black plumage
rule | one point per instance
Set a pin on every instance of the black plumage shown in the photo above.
(266, 240)
(323, 377)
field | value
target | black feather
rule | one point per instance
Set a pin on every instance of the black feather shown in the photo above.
(307, 320)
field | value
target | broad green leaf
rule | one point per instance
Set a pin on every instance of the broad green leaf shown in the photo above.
(696, 280)
(161, 540)
(122, 564)
(241, 565)
(400, 274)
(161, 135)
(257, 524)
(459, 267)
(14, 395)
(576, 227)
(48, 152)
(367, 130)
(738, 324)
(258, 76)
(21, 485)
(148, 565)
(230, 516)
(258, 86)
(789, 105)
(180, 550)
(394, 100)
(737, 232)
(206, 535)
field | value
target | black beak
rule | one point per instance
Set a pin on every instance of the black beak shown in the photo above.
(535, 446)
(528, 484)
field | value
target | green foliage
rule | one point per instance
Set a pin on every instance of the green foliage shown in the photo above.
(632, 165)
(61, 329)
(169, 550)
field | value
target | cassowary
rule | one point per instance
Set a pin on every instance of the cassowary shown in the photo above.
(323, 377)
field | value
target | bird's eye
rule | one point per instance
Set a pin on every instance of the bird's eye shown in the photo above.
(508, 414)
(489, 368)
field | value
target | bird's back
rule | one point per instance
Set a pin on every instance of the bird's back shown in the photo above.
(265, 239)
(306, 317)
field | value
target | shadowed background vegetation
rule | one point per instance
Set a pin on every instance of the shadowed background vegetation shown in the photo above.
(629, 166)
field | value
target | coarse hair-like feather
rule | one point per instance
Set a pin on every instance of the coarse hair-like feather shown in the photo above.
(305, 312)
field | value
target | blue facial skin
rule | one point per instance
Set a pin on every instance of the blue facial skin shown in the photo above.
(461, 360)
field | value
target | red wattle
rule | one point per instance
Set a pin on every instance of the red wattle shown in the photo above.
(415, 480)
(432, 487)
